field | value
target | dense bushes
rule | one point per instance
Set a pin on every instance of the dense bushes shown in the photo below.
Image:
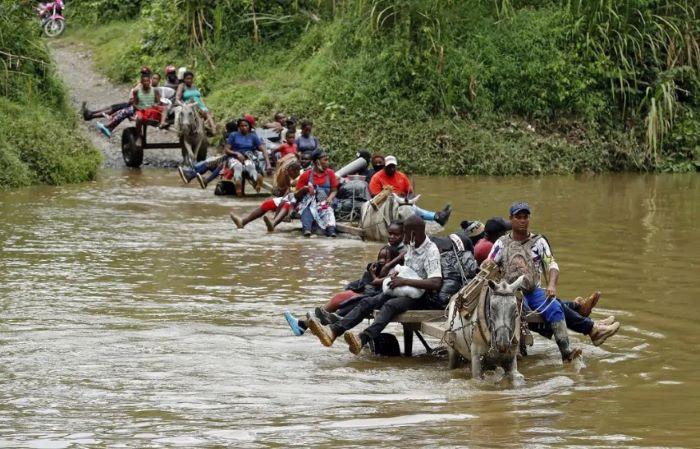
(39, 142)
(37, 147)
(604, 85)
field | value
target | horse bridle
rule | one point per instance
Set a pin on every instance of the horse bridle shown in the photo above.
(511, 329)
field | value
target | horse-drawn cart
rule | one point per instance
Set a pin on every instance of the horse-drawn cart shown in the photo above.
(133, 153)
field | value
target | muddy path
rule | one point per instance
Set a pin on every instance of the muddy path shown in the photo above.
(85, 84)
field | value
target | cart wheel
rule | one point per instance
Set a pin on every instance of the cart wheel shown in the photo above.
(132, 153)
(452, 358)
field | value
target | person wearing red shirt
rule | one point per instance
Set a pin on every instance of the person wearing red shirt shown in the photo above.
(493, 230)
(390, 176)
(320, 186)
(288, 147)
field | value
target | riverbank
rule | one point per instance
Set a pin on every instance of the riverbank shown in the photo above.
(40, 142)
(533, 105)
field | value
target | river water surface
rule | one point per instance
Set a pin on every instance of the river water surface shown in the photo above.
(133, 314)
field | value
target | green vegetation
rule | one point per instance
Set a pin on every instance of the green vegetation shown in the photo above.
(450, 87)
(39, 138)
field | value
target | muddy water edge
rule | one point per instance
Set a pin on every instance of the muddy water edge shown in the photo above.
(133, 314)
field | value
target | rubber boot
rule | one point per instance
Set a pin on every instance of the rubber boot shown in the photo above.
(561, 336)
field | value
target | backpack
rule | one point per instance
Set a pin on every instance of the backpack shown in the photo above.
(517, 261)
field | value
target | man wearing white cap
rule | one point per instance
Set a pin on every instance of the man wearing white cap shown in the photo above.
(390, 176)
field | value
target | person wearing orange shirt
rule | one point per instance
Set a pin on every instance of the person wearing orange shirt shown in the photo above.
(390, 176)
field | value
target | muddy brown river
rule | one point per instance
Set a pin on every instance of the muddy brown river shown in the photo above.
(133, 314)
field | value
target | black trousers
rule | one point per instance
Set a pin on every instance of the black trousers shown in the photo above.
(575, 321)
(389, 307)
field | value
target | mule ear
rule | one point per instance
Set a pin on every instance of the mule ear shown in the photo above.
(517, 284)
(492, 285)
(414, 200)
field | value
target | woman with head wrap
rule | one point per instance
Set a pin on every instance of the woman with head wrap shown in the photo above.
(319, 186)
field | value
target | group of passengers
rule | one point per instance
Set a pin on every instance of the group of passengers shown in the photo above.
(151, 103)
(433, 284)
(310, 190)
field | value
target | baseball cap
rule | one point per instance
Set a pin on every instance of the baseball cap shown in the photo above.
(390, 160)
(519, 207)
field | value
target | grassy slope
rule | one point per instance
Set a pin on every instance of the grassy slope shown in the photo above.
(40, 142)
(309, 79)
(43, 146)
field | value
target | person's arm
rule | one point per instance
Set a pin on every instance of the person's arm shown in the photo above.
(229, 149)
(550, 265)
(334, 188)
(391, 264)
(178, 93)
(135, 99)
(433, 271)
(156, 96)
(302, 187)
(261, 147)
(430, 284)
(553, 279)
(496, 253)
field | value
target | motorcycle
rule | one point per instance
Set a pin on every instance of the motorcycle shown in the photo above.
(51, 16)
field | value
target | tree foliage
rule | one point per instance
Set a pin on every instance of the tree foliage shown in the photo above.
(38, 139)
(601, 67)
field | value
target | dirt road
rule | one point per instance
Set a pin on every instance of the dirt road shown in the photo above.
(86, 85)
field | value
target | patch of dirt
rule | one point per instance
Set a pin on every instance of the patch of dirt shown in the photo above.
(86, 85)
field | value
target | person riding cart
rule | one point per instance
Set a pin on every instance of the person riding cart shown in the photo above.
(243, 148)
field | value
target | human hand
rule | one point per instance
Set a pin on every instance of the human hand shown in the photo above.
(268, 170)
(551, 291)
(397, 281)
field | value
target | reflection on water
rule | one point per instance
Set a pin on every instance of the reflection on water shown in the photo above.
(133, 314)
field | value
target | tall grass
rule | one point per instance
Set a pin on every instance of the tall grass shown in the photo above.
(585, 69)
(39, 142)
(647, 44)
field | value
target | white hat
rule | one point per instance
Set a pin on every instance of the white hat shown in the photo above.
(389, 160)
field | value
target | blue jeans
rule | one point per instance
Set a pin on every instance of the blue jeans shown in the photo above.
(308, 222)
(551, 311)
(201, 168)
(574, 320)
(424, 214)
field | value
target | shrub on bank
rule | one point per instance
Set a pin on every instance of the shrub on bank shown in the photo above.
(443, 82)
(39, 137)
(36, 147)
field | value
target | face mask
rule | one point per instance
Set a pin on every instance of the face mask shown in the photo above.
(377, 167)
